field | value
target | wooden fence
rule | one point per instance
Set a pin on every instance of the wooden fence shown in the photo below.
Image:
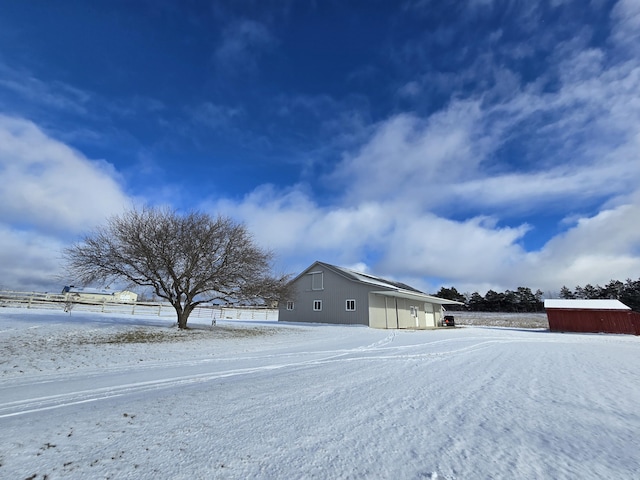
(51, 301)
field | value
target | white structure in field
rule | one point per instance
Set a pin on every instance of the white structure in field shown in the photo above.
(80, 294)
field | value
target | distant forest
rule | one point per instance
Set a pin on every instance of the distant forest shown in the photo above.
(524, 300)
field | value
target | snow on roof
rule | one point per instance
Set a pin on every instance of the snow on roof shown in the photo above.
(369, 279)
(88, 290)
(598, 304)
(373, 280)
(401, 289)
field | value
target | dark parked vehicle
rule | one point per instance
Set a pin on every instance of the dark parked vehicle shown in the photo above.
(448, 321)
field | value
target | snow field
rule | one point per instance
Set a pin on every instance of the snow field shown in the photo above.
(261, 400)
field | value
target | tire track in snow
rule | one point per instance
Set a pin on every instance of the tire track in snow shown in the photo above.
(381, 350)
(363, 353)
(43, 403)
(44, 378)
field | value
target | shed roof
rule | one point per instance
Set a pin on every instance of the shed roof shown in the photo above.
(579, 304)
(88, 290)
(417, 296)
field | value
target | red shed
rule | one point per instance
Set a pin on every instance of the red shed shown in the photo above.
(592, 316)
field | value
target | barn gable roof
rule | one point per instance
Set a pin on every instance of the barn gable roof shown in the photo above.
(370, 279)
(580, 304)
(387, 287)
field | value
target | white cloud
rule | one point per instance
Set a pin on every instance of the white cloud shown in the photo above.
(475, 254)
(595, 250)
(473, 250)
(626, 18)
(29, 261)
(294, 225)
(410, 158)
(570, 185)
(421, 196)
(48, 184)
(428, 197)
(387, 239)
(50, 193)
(580, 142)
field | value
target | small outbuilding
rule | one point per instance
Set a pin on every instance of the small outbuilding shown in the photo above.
(591, 316)
(101, 295)
(325, 293)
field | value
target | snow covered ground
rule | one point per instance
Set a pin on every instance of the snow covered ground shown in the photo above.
(97, 396)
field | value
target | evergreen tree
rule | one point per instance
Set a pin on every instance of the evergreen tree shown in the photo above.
(566, 293)
(476, 302)
(630, 296)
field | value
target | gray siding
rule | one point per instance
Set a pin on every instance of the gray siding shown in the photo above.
(376, 310)
(334, 294)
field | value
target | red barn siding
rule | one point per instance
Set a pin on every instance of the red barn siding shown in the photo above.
(593, 321)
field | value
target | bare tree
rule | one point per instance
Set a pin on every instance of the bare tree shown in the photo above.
(186, 259)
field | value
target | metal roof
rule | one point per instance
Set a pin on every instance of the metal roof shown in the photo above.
(370, 279)
(417, 296)
(392, 288)
(88, 290)
(579, 304)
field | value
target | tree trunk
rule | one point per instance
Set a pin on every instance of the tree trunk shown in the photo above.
(182, 320)
(183, 314)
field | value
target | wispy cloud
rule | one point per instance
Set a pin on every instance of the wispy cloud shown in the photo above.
(24, 91)
(565, 142)
(215, 116)
(626, 16)
(408, 156)
(57, 95)
(447, 185)
(241, 45)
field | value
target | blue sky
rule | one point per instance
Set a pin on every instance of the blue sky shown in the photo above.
(478, 143)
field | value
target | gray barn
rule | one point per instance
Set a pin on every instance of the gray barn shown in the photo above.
(325, 293)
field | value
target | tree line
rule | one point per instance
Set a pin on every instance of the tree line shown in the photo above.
(627, 292)
(523, 299)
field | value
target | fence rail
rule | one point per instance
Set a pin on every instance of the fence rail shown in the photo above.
(51, 301)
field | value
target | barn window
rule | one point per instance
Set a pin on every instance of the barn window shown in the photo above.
(289, 305)
(317, 281)
(351, 305)
(317, 305)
